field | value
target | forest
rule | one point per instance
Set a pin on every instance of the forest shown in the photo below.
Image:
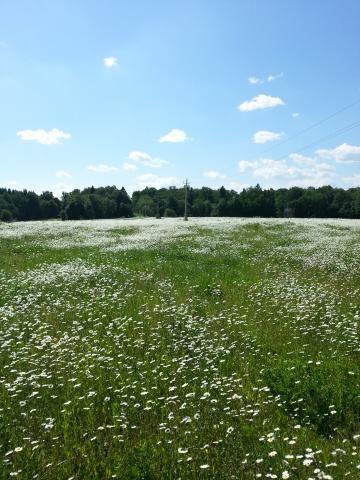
(112, 202)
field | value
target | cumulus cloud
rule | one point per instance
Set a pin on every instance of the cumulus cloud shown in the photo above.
(260, 102)
(63, 174)
(254, 80)
(45, 137)
(129, 167)
(110, 62)
(264, 136)
(59, 188)
(314, 174)
(214, 174)
(304, 170)
(353, 180)
(272, 78)
(302, 159)
(145, 159)
(295, 114)
(101, 168)
(174, 136)
(344, 153)
(237, 186)
(157, 181)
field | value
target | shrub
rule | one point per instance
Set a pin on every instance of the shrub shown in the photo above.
(5, 215)
(169, 212)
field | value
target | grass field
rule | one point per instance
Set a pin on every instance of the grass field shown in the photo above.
(160, 349)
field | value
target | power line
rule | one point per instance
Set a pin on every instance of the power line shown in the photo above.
(311, 127)
(338, 132)
(327, 137)
(334, 134)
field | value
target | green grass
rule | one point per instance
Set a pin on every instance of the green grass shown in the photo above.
(197, 357)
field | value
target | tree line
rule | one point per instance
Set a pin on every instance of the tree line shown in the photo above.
(111, 202)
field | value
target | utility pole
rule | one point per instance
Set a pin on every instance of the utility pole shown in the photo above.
(185, 212)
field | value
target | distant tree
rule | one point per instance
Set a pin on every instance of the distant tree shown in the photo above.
(281, 201)
(111, 202)
(201, 208)
(123, 201)
(355, 203)
(169, 212)
(219, 209)
(174, 205)
(75, 210)
(341, 204)
(145, 206)
(49, 205)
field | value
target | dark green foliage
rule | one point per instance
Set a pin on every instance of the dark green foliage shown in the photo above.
(111, 202)
(169, 212)
(25, 205)
(104, 202)
(323, 202)
(5, 215)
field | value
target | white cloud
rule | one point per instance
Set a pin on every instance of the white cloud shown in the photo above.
(260, 102)
(59, 188)
(246, 166)
(101, 168)
(63, 174)
(271, 78)
(353, 180)
(295, 114)
(302, 159)
(129, 167)
(254, 80)
(344, 153)
(237, 186)
(264, 136)
(110, 62)
(157, 181)
(310, 162)
(50, 137)
(145, 159)
(214, 174)
(175, 136)
(314, 174)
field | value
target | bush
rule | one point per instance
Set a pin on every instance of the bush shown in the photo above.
(169, 212)
(5, 215)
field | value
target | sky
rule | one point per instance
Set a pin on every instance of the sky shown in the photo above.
(139, 93)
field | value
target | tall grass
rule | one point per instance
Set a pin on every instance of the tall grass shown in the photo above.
(207, 350)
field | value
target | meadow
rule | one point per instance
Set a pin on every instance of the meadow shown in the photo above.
(162, 349)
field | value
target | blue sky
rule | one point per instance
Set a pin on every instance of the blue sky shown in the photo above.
(140, 93)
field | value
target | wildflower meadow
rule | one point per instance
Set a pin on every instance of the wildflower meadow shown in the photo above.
(162, 349)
